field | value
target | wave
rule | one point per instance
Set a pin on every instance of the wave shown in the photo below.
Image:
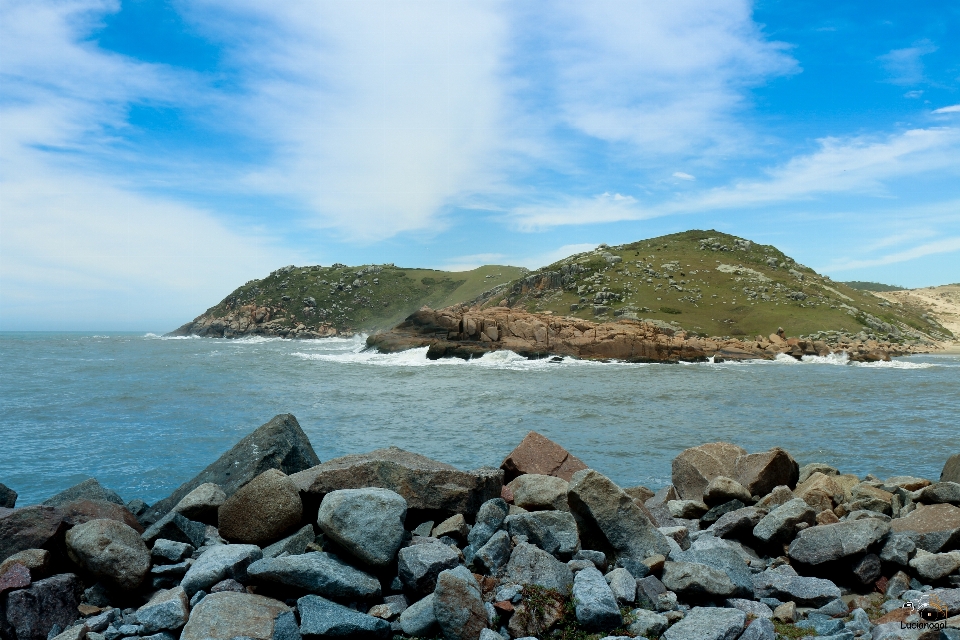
(503, 359)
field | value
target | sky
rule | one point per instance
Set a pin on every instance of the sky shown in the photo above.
(155, 155)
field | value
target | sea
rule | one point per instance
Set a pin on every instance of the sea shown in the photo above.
(143, 413)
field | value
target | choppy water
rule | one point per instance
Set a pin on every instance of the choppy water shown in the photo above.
(144, 413)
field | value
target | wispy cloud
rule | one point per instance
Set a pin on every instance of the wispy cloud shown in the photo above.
(946, 245)
(578, 211)
(683, 176)
(905, 66)
(954, 108)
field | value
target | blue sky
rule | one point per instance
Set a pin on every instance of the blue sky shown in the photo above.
(155, 155)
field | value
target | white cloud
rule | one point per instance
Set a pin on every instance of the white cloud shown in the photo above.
(946, 245)
(577, 211)
(954, 108)
(913, 94)
(683, 176)
(905, 66)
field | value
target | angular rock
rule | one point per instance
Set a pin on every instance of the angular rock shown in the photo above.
(458, 605)
(866, 496)
(867, 569)
(165, 611)
(697, 581)
(489, 519)
(8, 497)
(719, 510)
(175, 527)
(170, 552)
(687, 509)
(279, 444)
(759, 629)
(932, 527)
(940, 493)
(694, 468)
(111, 551)
(606, 514)
(825, 543)
(539, 455)
(808, 470)
(648, 590)
(647, 623)
(640, 493)
(424, 483)
(285, 626)
(722, 489)
(228, 585)
(420, 565)
(814, 592)
(14, 576)
(823, 625)
(596, 606)
(780, 525)
(737, 523)
(32, 612)
(36, 560)
(35, 527)
(623, 585)
(368, 523)
(262, 511)
(531, 565)
(455, 527)
(708, 623)
(419, 619)
(935, 566)
(897, 549)
(786, 612)
(751, 608)
(760, 472)
(727, 557)
(495, 553)
(818, 486)
(226, 615)
(537, 492)
(780, 495)
(220, 562)
(165, 576)
(326, 619)
(294, 544)
(553, 531)
(319, 573)
(202, 504)
(827, 517)
(89, 489)
(84, 510)
(951, 469)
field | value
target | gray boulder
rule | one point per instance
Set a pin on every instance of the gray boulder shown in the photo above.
(940, 493)
(111, 551)
(368, 523)
(279, 444)
(170, 552)
(419, 619)
(531, 565)
(326, 619)
(867, 569)
(647, 623)
(33, 611)
(708, 623)
(165, 576)
(828, 542)
(174, 526)
(420, 564)
(226, 615)
(495, 553)
(489, 520)
(609, 517)
(897, 549)
(165, 611)
(294, 544)
(812, 592)
(780, 525)
(697, 581)
(424, 483)
(951, 469)
(318, 573)
(553, 531)
(722, 489)
(596, 606)
(760, 629)
(202, 504)
(935, 566)
(649, 588)
(458, 605)
(537, 492)
(218, 563)
(728, 557)
(89, 489)
(751, 608)
(623, 585)
(737, 523)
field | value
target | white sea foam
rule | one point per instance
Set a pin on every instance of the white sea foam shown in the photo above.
(895, 364)
(503, 359)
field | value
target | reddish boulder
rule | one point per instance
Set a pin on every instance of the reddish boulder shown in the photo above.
(540, 455)
(16, 576)
(36, 527)
(81, 511)
(32, 612)
(760, 472)
(932, 527)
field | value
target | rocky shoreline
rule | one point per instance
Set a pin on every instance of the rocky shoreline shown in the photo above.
(469, 332)
(269, 543)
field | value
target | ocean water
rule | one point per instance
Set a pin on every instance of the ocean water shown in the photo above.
(144, 413)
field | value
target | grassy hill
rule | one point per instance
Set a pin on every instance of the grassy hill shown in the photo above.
(871, 286)
(714, 284)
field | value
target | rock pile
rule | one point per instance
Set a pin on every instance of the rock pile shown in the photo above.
(391, 544)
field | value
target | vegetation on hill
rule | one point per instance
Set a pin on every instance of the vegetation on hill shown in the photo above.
(859, 285)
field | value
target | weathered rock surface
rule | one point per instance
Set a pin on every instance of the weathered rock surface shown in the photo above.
(279, 444)
(458, 605)
(531, 565)
(694, 468)
(623, 585)
(419, 619)
(708, 623)
(826, 543)
(538, 455)
(935, 566)
(722, 489)
(553, 531)
(170, 551)
(36, 560)
(804, 591)
(265, 509)
(494, 554)
(490, 518)
(932, 527)
(420, 565)
(165, 611)
(218, 563)
(941, 492)
(175, 527)
(8, 497)
(596, 606)
(319, 573)
(32, 612)
(780, 525)
(89, 489)
(322, 618)
(951, 469)
(697, 581)
(110, 550)
(294, 544)
(760, 472)
(368, 523)
(424, 483)
(14, 576)
(84, 510)
(226, 615)
(35, 527)
(738, 522)
(202, 504)
(606, 514)
(537, 492)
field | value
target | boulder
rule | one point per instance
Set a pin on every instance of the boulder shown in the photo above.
(871, 498)
(647, 624)
(32, 612)
(419, 619)
(226, 615)
(174, 526)
(640, 493)
(760, 472)
(323, 618)
(494, 554)
(898, 548)
(737, 523)
(84, 510)
(490, 518)
(722, 489)
(779, 495)
(35, 527)
(719, 510)
(165, 576)
(808, 470)
(826, 543)
(931, 528)
(455, 527)
(648, 589)
(294, 544)
(458, 605)
(866, 569)
(531, 565)
(727, 557)
(89, 489)
(14, 576)
(596, 606)
(951, 469)
(420, 565)
(553, 531)
(8, 497)
(607, 515)
(262, 511)
(165, 611)
(786, 612)
(708, 623)
(218, 563)
(935, 566)
(424, 483)
(751, 608)
(539, 455)
(279, 444)
(202, 504)
(759, 629)
(697, 581)
(687, 509)
(623, 585)
(319, 573)
(694, 468)
(941, 492)
(170, 552)
(537, 492)
(368, 523)
(814, 592)
(36, 560)
(111, 551)
(780, 525)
